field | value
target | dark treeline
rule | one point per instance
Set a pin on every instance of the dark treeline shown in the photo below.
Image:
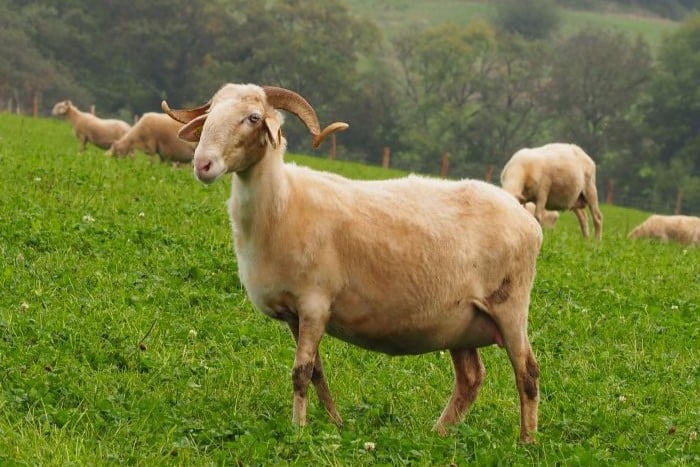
(674, 9)
(478, 92)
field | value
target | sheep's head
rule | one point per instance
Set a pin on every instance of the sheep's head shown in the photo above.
(241, 122)
(120, 147)
(61, 108)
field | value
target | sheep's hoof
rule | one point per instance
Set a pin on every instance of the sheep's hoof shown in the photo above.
(298, 423)
(336, 419)
(440, 429)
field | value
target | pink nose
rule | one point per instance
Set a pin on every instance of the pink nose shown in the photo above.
(202, 165)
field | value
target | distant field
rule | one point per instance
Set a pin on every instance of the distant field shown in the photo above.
(395, 16)
(126, 337)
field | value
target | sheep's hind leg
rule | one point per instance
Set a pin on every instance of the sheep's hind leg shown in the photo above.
(592, 196)
(469, 374)
(319, 380)
(582, 220)
(525, 367)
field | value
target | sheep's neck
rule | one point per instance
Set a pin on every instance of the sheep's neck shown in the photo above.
(73, 114)
(259, 195)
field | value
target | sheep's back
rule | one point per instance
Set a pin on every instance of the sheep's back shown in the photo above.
(159, 132)
(101, 132)
(566, 167)
(682, 229)
(422, 228)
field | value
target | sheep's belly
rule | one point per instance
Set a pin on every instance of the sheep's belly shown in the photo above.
(416, 333)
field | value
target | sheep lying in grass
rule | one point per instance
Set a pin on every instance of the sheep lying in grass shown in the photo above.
(549, 218)
(155, 133)
(90, 129)
(556, 176)
(681, 229)
(404, 266)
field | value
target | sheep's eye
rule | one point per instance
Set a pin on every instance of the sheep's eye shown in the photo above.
(254, 118)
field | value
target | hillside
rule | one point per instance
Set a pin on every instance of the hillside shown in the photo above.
(394, 16)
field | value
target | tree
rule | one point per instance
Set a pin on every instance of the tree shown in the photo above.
(672, 113)
(597, 76)
(313, 47)
(26, 73)
(533, 19)
(439, 69)
(128, 55)
(510, 114)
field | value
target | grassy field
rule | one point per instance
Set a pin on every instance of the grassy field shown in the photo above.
(395, 16)
(125, 337)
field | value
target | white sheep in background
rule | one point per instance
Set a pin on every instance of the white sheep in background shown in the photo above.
(404, 266)
(556, 176)
(155, 133)
(549, 218)
(89, 128)
(681, 229)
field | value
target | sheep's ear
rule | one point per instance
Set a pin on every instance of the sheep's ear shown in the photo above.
(274, 132)
(193, 130)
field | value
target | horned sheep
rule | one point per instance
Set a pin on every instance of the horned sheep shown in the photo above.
(155, 133)
(405, 266)
(89, 128)
(681, 229)
(555, 176)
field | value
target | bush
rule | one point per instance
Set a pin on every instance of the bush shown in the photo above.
(533, 19)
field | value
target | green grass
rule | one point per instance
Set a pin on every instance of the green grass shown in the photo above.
(396, 16)
(99, 255)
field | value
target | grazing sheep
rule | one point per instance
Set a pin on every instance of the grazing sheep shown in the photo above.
(556, 176)
(155, 133)
(681, 229)
(403, 266)
(548, 219)
(90, 129)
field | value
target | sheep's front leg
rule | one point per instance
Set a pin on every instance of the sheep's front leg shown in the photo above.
(469, 374)
(582, 221)
(541, 201)
(313, 316)
(319, 380)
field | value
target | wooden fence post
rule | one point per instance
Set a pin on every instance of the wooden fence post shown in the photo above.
(444, 165)
(489, 172)
(35, 104)
(386, 157)
(18, 109)
(679, 201)
(610, 191)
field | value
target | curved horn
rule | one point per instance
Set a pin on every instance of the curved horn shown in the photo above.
(185, 115)
(332, 128)
(290, 101)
